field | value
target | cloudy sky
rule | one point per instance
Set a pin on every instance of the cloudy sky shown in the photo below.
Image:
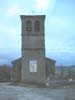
(59, 28)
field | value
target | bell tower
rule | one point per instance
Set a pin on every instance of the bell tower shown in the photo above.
(33, 49)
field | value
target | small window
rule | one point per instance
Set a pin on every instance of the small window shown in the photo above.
(37, 26)
(33, 66)
(28, 26)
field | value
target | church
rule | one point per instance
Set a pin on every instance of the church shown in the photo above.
(33, 66)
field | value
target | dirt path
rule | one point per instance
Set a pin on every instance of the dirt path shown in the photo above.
(8, 92)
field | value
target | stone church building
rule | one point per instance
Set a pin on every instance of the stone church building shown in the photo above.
(33, 66)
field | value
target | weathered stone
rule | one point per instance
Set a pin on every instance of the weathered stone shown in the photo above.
(35, 68)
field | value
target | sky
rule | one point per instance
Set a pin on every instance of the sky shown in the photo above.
(59, 28)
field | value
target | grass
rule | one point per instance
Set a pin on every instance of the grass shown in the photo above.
(43, 86)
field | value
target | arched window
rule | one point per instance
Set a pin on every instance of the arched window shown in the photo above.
(28, 26)
(37, 26)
